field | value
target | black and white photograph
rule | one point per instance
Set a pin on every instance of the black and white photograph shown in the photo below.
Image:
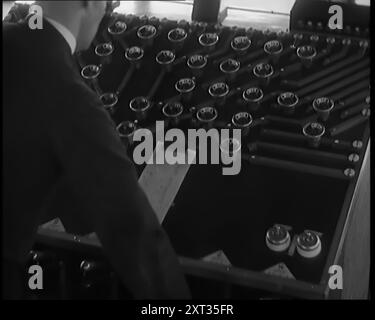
(205, 152)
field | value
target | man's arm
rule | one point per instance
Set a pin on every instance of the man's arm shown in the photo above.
(96, 167)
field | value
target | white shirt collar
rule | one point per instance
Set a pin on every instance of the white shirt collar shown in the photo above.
(66, 33)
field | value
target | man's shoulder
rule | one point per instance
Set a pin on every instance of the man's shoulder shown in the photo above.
(12, 32)
(78, 90)
(75, 96)
(60, 85)
(20, 41)
(45, 43)
(9, 27)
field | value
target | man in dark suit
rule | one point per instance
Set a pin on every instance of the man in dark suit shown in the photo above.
(61, 153)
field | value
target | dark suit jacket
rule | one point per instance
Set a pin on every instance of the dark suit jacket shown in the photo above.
(62, 156)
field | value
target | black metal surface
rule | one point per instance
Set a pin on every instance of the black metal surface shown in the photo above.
(284, 178)
(233, 214)
(206, 10)
(342, 78)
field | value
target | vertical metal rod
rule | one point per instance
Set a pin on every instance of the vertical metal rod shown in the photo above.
(206, 11)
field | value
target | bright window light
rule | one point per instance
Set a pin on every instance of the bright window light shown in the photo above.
(363, 2)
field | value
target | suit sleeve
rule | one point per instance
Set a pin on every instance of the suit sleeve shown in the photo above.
(96, 168)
